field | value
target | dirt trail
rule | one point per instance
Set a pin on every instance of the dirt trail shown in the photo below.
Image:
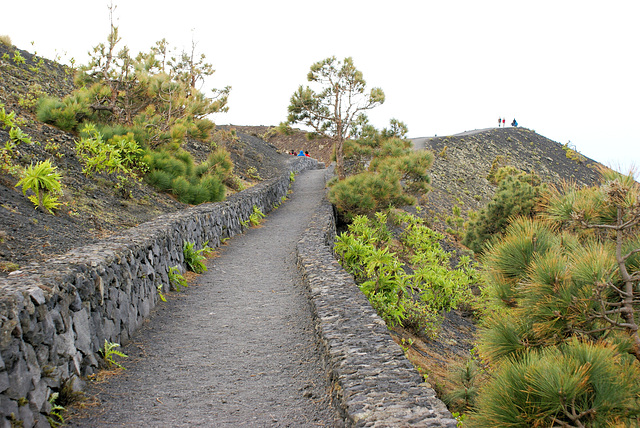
(237, 348)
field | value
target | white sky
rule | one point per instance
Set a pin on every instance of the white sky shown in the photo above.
(567, 69)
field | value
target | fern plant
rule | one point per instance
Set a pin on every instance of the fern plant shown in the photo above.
(176, 278)
(110, 351)
(194, 258)
(256, 216)
(55, 417)
(160, 293)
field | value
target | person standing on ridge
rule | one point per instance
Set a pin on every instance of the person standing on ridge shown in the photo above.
(503, 121)
(499, 121)
(514, 123)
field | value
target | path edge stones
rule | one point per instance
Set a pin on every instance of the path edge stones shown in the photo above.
(373, 383)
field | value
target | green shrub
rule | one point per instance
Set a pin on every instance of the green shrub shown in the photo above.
(495, 177)
(48, 109)
(66, 114)
(564, 348)
(577, 384)
(465, 381)
(120, 155)
(507, 260)
(283, 128)
(214, 187)
(201, 129)
(395, 173)
(109, 131)
(161, 180)
(165, 161)
(365, 252)
(367, 193)
(192, 184)
(182, 189)
(187, 162)
(517, 195)
(220, 162)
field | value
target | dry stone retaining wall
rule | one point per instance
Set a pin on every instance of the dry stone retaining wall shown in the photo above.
(55, 317)
(374, 384)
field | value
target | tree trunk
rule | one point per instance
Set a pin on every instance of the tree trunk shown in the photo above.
(338, 146)
(628, 310)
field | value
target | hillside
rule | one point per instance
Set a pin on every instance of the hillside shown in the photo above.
(92, 207)
(463, 162)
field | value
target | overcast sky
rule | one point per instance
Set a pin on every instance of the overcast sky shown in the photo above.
(567, 69)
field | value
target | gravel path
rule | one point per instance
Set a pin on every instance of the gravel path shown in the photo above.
(238, 348)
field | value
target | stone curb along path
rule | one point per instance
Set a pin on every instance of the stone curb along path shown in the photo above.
(375, 385)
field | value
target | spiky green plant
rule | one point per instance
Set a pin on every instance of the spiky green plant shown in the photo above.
(256, 216)
(17, 57)
(176, 279)
(367, 193)
(159, 287)
(195, 258)
(192, 184)
(507, 260)
(110, 351)
(44, 181)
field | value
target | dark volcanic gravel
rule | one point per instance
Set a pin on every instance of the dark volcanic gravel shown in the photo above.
(236, 348)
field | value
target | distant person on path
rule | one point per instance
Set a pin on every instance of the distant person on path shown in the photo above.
(503, 121)
(301, 153)
(499, 121)
(306, 153)
(514, 123)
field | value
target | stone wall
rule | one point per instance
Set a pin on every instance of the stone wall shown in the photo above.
(374, 384)
(55, 317)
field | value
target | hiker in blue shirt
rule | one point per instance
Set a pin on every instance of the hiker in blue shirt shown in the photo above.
(301, 153)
